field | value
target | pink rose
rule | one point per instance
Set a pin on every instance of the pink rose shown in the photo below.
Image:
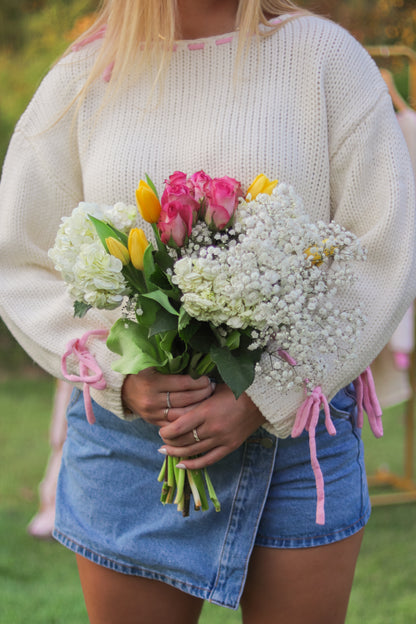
(200, 183)
(222, 201)
(175, 223)
(176, 178)
(177, 189)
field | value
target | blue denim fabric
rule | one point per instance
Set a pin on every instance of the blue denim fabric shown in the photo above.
(288, 519)
(108, 507)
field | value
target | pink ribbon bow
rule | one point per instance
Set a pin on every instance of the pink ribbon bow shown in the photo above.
(306, 420)
(367, 401)
(90, 372)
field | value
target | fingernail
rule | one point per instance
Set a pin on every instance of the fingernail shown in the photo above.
(162, 450)
(213, 385)
(180, 466)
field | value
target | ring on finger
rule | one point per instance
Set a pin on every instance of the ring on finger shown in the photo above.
(166, 412)
(168, 403)
(196, 436)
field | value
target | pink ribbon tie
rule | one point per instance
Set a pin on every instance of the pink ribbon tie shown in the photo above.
(367, 401)
(306, 420)
(91, 374)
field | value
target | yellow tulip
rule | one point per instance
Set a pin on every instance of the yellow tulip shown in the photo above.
(147, 202)
(261, 184)
(137, 244)
(118, 250)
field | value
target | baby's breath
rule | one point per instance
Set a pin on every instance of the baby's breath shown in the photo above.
(277, 275)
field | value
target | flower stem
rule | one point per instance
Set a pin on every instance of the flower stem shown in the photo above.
(211, 491)
(194, 490)
(180, 483)
(199, 483)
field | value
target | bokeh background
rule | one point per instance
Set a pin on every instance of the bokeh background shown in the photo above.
(38, 580)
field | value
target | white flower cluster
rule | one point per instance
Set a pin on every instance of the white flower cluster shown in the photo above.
(93, 276)
(276, 274)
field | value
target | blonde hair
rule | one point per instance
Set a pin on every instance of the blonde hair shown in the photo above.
(124, 23)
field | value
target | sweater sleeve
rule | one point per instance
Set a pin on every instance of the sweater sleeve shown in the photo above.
(372, 195)
(41, 182)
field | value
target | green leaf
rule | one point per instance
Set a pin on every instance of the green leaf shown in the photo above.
(162, 299)
(81, 308)
(189, 330)
(152, 186)
(233, 340)
(202, 339)
(163, 259)
(160, 281)
(178, 364)
(205, 366)
(134, 278)
(175, 351)
(164, 322)
(235, 367)
(149, 309)
(105, 230)
(161, 246)
(166, 341)
(148, 266)
(131, 341)
(184, 318)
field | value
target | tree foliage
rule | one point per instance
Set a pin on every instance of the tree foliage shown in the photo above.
(373, 22)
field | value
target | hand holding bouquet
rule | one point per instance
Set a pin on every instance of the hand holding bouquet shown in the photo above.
(232, 281)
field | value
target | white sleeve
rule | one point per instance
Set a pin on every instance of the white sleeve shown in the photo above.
(372, 195)
(41, 182)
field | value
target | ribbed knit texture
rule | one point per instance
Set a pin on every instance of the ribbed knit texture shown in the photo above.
(308, 106)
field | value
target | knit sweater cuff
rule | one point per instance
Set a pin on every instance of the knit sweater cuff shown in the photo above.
(280, 414)
(110, 398)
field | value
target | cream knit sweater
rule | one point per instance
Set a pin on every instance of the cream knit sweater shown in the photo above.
(308, 107)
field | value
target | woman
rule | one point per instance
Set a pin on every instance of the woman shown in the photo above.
(154, 91)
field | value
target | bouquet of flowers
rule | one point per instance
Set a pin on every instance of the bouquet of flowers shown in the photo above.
(233, 284)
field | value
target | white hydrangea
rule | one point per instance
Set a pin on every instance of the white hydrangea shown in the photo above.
(94, 277)
(263, 275)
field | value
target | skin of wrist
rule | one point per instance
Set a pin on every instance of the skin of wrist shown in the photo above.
(252, 407)
(124, 403)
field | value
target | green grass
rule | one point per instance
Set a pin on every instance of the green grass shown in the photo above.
(39, 582)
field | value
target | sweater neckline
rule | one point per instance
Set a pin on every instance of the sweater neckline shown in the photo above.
(217, 40)
(191, 44)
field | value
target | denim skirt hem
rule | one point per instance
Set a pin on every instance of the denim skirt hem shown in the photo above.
(316, 540)
(130, 569)
(108, 506)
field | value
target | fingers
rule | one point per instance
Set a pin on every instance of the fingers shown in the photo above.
(158, 398)
(202, 461)
(190, 397)
(212, 429)
(178, 383)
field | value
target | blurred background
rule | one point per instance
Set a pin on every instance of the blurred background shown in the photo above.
(38, 578)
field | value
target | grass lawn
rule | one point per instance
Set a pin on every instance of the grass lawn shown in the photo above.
(39, 583)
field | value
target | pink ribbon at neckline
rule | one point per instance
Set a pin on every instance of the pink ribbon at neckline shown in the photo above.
(98, 34)
(90, 374)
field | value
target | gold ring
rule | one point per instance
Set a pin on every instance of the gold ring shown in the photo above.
(196, 436)
(166, 412)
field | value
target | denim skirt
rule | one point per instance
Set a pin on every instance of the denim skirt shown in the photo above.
(109, 509)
